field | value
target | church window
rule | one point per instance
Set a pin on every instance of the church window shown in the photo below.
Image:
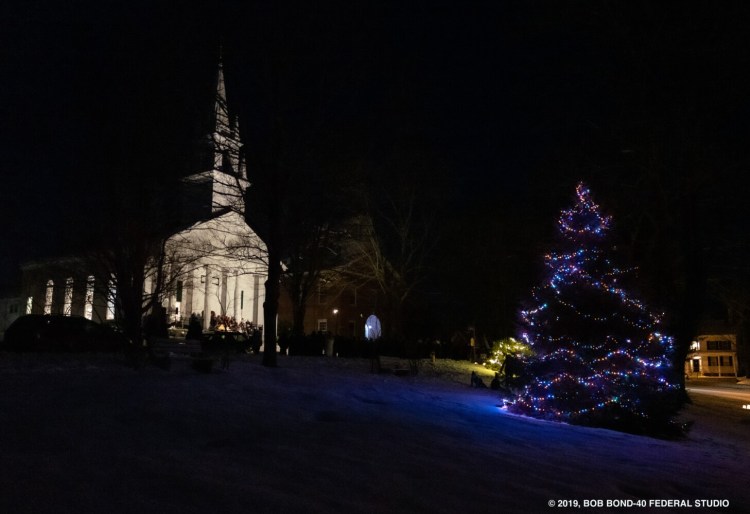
(48, 297)
(68, 305)
(242, 300)
(111, 293)
(88, 302)
(226, 162)
(322, 295)
(178, 292)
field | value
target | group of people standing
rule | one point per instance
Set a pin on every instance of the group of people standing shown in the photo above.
(220, 323)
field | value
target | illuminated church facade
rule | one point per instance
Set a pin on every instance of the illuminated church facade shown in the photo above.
(215, 263)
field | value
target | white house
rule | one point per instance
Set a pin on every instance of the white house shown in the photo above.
(713, 353)
(10, 309)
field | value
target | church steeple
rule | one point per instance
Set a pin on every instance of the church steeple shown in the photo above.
(221, 111)
(226, 137)
(221, 183)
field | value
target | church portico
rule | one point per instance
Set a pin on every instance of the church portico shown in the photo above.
(220, 291)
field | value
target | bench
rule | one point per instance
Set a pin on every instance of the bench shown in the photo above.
(411, 371)
(400, 371)
(162, 351)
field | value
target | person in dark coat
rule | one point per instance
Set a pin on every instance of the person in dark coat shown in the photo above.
(476, 381)
(194, 328)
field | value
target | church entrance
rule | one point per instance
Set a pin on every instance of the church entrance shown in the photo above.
(372, 327)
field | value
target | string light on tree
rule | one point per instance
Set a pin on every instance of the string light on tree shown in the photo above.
(599, 358)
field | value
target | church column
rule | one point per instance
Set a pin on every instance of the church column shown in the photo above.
(224, 285)
(188, 294)
(237, 312)
(256, 298)
(206, 311)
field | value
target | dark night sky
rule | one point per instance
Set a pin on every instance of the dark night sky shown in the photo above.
(517, 100)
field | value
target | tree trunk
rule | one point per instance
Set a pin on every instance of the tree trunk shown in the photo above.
(271, 308)
(130, 287)
(298, 318)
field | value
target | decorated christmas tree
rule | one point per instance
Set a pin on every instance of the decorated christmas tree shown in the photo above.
(599, 358)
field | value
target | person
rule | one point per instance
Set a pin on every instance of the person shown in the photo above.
(512, 368)
(476, 381)
(194, 328)
(495, 384)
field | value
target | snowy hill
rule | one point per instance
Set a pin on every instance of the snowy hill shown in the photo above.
(87, 434)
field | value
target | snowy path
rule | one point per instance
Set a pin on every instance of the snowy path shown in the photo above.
(743, 395)
(324, 435)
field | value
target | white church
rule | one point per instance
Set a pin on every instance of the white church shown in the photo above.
(216, 264)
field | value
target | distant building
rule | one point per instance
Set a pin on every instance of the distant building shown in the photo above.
(337, 309)
(216, 261)
(10, 309)
(345, 300)
(713, 353)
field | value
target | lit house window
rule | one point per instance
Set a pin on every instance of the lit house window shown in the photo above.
(68, 305)
(323, 325)
(88, 306)
(719, 345)
(48, 297)
(29, 304)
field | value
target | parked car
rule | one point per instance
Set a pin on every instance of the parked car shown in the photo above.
(219, 341)
(58, 333)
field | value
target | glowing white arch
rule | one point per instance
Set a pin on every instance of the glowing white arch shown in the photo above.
(372, 327)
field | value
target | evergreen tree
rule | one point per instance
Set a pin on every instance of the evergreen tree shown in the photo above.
(599, 357)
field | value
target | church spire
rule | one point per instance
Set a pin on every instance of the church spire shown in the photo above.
(221, 176)
(221, 111)
(226, 138)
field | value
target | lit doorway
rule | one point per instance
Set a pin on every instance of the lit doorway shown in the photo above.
(372, 327)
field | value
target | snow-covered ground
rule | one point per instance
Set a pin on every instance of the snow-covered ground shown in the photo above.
(86, 434)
